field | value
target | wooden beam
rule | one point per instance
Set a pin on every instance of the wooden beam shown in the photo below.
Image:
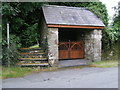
(76, 26)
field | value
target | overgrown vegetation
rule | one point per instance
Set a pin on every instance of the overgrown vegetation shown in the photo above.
(13, 72)
(105, 63)
(23, 18)
(10, 55)
(116, 23)
(111, 54)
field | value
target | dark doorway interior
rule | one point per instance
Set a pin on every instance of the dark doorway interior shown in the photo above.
(70, 34)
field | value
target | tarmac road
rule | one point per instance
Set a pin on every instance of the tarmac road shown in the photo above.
(89, 77)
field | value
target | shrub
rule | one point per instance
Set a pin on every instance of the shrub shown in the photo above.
(9, 55)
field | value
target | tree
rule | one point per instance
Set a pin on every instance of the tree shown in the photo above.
(113, 31)
(23, 19)
(116, 23)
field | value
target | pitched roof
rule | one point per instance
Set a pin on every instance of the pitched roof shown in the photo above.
(64, 15)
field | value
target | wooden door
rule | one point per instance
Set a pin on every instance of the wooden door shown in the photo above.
(71, 50)
(64, 50)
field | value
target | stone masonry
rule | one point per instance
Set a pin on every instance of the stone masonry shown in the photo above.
(53, 46)
(97, 44)
(93, 45)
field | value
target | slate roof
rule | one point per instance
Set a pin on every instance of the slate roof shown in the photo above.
(64, 15)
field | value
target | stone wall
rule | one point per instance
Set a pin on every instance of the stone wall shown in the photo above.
(43, 33)
(53, 46)
(49, 42)
(93, 45)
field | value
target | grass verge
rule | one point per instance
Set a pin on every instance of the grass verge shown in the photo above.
(105, 63)
(14, 72)
(0, 72)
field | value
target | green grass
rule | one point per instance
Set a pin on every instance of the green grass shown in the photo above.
(13, 72)
(105, 63)
(35, 46)
(0, 72)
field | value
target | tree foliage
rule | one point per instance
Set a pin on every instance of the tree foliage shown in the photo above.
(113, 30)
(116, 23)
(23, 19)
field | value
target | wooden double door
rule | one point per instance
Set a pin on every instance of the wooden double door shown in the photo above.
(71, 50)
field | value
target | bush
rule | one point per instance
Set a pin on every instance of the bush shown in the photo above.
(9, 55)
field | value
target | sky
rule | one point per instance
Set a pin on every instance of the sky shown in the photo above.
(109, 4)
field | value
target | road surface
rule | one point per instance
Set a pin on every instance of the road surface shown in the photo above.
(89, 77)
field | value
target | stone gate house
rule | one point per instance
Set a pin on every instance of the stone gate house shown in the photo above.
(71, 33)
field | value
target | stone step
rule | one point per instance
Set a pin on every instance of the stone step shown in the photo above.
(32, 64)
(29, 61)
(33, 59)
(42, 53)
(31, 50)
(27, 56)
(32, 55)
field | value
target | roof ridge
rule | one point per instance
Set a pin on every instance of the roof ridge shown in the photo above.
(65, 7)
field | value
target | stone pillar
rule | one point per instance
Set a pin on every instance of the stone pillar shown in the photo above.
(89, 40)
(93, 45)
(53, 46)
(97, 44)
